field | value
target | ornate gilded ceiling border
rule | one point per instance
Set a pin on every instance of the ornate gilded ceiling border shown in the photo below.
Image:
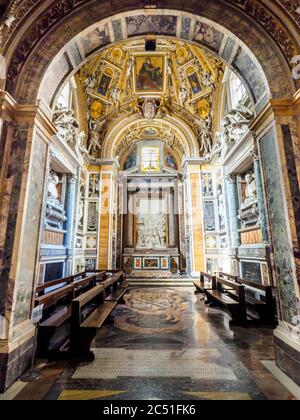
(62, 8)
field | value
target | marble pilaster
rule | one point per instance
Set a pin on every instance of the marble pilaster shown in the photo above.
(70, 210)
(260, 197)
(233, 206)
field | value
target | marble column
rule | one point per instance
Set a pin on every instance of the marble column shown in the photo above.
(70, 211)
(233, 206)
(260, 197)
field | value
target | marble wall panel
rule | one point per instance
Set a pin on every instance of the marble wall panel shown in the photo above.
(28, 254)
(8, 227)
(209, 216)
(283, 251)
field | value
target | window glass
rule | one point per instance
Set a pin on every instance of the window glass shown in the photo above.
(237, 90)
(150, 159)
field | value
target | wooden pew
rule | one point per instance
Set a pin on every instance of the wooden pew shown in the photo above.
(262, 309)
(40, 289)
(227, 276)
(57, 311)
(205, 282)
(89, 312)
(219, 295)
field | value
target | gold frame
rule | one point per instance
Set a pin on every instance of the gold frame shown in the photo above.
(152, 93)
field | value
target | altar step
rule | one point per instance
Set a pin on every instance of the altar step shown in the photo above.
(161, 282)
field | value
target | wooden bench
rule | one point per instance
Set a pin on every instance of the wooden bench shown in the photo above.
(41, 289)
(227, 276)
(262, 307)
(57, 311)
(89, 312)
(205, 282)
(219, 295)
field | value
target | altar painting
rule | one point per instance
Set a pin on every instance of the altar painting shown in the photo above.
(149, 73)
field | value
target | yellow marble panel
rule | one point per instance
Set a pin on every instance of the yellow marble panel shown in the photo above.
(84, 395)
(197, 223)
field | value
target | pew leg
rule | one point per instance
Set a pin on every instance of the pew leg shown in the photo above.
(44, 336)
(81, 344)
(238, 314)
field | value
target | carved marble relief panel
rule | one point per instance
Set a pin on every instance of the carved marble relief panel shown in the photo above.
(209, 216)
(92, 219)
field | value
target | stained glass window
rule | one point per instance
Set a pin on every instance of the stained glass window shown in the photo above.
(150, 159)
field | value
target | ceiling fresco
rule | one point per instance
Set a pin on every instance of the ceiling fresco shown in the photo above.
(126, 82)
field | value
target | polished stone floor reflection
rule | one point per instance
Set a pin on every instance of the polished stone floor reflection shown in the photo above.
(166, 344)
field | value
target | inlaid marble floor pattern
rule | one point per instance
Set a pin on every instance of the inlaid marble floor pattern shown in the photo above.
(165, 344)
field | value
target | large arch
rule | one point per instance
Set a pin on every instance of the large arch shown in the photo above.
(118, 131)
(41, 54)
(53, 39)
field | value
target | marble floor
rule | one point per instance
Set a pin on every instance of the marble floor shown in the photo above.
(164, 344)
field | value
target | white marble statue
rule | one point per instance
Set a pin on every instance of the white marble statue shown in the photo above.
(236, 123)
(80, 144)
(66, 124)
(115, 95)
(250, 189)
(52, 186)
(183, 96)
(90, 82)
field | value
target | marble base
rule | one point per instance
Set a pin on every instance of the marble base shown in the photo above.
(287, 354)
(143, 274)
(14, 364)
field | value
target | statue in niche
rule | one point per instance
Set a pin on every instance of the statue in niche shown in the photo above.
(53, 193)
(250, 189)
(66, 124)
(55, 214)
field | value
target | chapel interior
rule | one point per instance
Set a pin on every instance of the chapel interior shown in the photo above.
(149, 200)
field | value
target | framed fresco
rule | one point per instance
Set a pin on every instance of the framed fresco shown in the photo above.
(104, 85)
(194, 82)
(149, 73)
(151, 263)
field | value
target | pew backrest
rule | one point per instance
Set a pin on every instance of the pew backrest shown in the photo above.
(81, 301)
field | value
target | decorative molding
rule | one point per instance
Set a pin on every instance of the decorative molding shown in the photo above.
(271, 24)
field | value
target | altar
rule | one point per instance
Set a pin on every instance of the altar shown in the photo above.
(151, 230)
